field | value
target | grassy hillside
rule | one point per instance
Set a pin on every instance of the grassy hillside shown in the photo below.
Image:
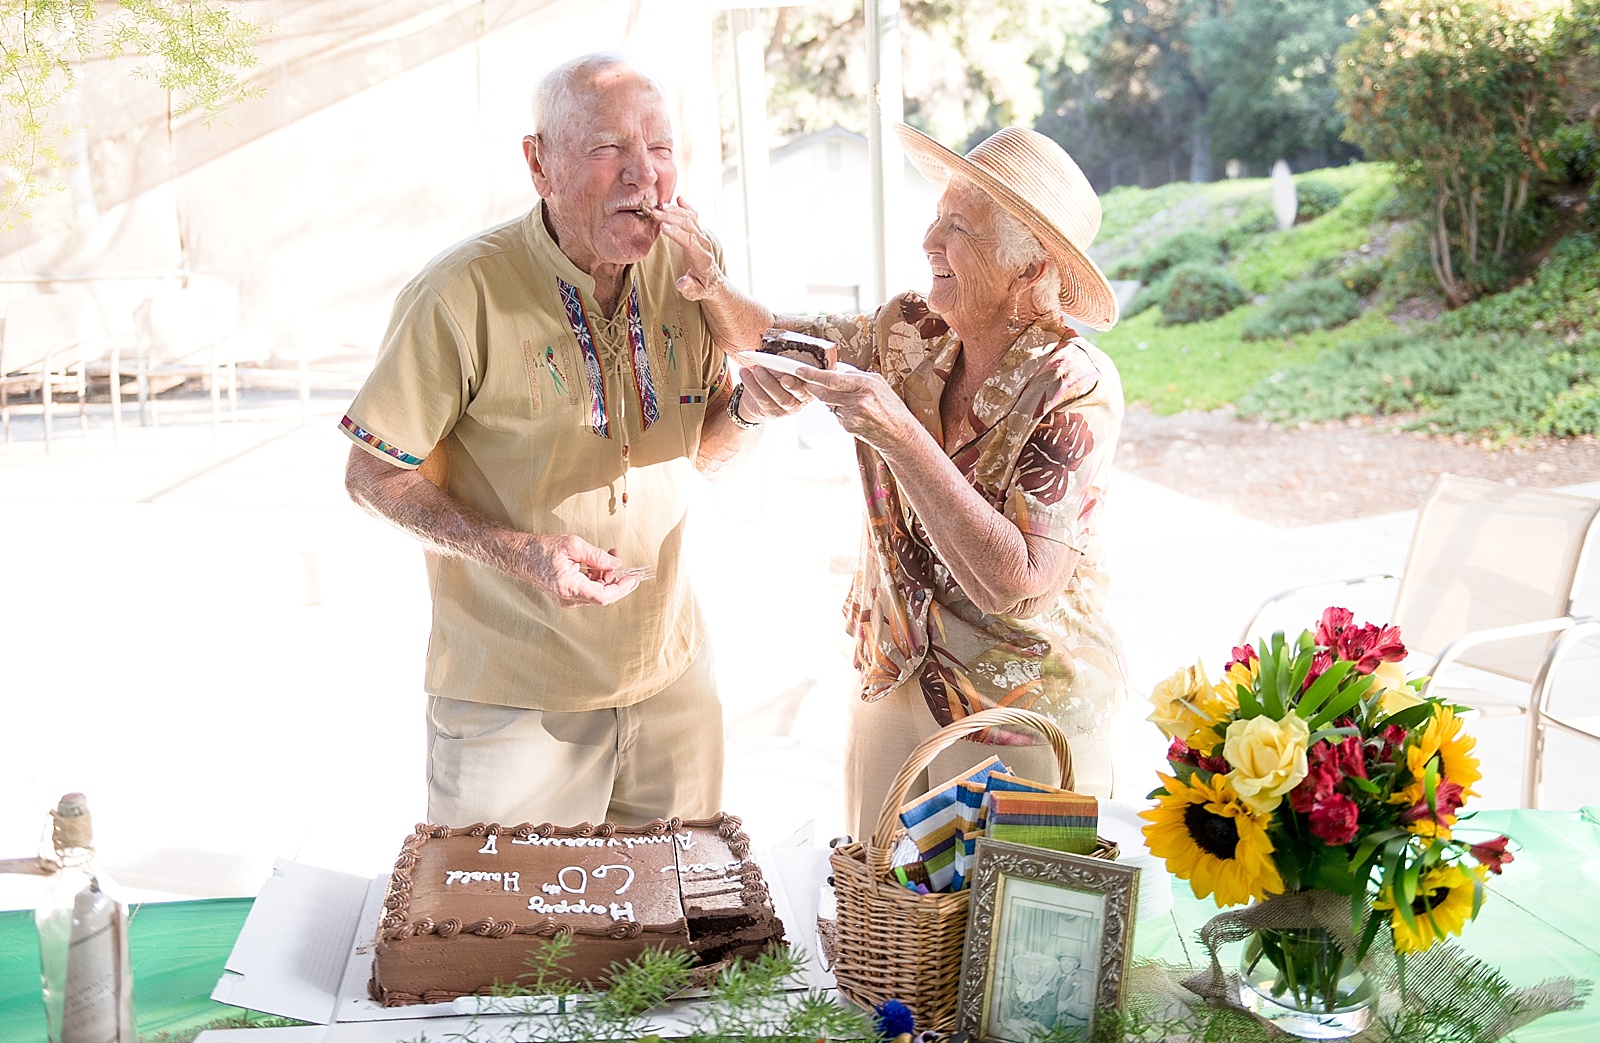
(1338, 316)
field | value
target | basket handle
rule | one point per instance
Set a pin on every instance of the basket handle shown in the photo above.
(880, 849)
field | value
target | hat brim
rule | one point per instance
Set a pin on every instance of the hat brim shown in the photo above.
(1086, 294)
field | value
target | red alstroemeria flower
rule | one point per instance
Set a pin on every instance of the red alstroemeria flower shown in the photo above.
(1368, 645)
(1352, 757)
(1180, 753)
(1447, 801)
(1493, 853)
(1322, 778)
(1216, 765)
(1320, 661)
(1333, 622)
(1242, 655)
(1394, 737)
(1335, 820)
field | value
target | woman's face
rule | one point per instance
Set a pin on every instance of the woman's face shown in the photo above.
(970, 291)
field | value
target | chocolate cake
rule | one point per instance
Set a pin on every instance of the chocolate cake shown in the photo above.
(813, 351)
(466, 907)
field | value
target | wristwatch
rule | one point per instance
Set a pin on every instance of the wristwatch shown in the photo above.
(733, 410)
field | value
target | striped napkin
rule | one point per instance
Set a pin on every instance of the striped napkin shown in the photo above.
(933, 822)
(1059, 821)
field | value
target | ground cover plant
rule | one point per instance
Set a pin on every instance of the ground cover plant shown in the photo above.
(1342, 319)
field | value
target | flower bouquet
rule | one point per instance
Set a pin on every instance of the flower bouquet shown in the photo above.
(1314, 767)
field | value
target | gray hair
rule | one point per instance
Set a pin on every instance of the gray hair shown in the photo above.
(562, 91)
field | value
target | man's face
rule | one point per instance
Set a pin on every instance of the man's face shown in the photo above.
(611, 161)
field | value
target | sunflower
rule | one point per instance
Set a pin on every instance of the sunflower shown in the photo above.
(1441, 737)
(1209, 838)
(1442, 907)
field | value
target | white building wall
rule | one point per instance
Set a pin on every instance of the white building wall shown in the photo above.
(820, 259)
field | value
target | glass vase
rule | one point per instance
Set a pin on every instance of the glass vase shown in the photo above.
(1297, 979)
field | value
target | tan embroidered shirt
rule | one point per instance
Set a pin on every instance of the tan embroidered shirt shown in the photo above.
(549, 415)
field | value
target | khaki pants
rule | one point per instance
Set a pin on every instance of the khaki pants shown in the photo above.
(881, 736)
(627, 765)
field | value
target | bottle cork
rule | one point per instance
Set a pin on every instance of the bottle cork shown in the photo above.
(73, 826)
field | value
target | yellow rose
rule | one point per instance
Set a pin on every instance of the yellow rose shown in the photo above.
(1390, 681)
(1268, 759)
(1177, 702)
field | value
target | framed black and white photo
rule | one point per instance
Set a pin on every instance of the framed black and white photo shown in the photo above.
(1049, 936)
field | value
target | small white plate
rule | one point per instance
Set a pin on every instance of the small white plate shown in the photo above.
(767, 360)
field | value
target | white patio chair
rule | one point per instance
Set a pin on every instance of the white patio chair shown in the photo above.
(48, 342)
(1488, 584)
(188, 333)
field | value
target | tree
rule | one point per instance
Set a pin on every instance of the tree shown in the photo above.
(1238, 79)
(969, 68)
(196, 49)
(1463, 97)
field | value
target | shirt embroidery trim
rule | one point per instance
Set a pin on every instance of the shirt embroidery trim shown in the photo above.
(644, 385)
(599, 420)
(355, 430)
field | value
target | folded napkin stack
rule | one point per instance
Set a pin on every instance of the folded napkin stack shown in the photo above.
(1059, 821)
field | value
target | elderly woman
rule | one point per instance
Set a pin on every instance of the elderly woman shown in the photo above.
(985, 428)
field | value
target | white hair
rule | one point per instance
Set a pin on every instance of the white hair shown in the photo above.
(1016, 248)
(563, 89)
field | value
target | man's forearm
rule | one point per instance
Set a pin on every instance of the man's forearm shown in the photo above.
(721, 440)
(735, 320)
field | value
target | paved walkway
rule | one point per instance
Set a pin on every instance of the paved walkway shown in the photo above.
(207, 638)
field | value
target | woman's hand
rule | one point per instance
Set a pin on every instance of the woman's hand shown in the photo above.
(769, 394)
(864, 403)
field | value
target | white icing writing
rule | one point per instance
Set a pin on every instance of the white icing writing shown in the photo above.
(685, 839)
(488, 847)
(627, 842)
(507, 881)
(599, 873)
(622, 911)
(704, 867)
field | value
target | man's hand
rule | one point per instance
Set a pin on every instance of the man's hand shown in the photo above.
(576, 572)
(568, 568)
(701, 276)
(769, 394)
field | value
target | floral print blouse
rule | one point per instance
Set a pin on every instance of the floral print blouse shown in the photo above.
(1037, 443)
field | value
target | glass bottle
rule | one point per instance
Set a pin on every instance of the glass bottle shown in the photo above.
(83, 939)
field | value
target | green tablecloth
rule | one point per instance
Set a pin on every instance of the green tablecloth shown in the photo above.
(1541, 920)
(178, 949)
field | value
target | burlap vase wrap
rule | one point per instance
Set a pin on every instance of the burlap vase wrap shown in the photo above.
(1441, 979)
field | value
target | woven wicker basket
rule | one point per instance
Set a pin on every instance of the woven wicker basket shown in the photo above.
(892, 943)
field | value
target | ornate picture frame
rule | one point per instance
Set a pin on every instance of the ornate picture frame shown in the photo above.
(1049, 938)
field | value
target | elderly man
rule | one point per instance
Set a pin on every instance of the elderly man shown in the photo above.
(537, 404)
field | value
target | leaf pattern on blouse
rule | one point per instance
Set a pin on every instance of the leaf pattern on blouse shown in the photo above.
(1057, 449)
(914, 312)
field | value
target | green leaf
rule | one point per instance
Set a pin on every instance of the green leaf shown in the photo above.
(1341, 704)
(1408, 718)
(1323, 687)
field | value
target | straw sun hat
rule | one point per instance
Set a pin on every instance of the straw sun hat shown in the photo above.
(1034, 180)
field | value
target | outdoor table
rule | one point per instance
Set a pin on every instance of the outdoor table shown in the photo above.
(1541, 920)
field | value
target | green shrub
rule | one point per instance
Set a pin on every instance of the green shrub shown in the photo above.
(1316, 197)
(1476, 383)
(1575, 411)
(1257, 221)
(1562, 297)
(1196, 291)
(1180, 248)
(1301, 307)
(1148, 297)
(1577, 154)
(1362, 279)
